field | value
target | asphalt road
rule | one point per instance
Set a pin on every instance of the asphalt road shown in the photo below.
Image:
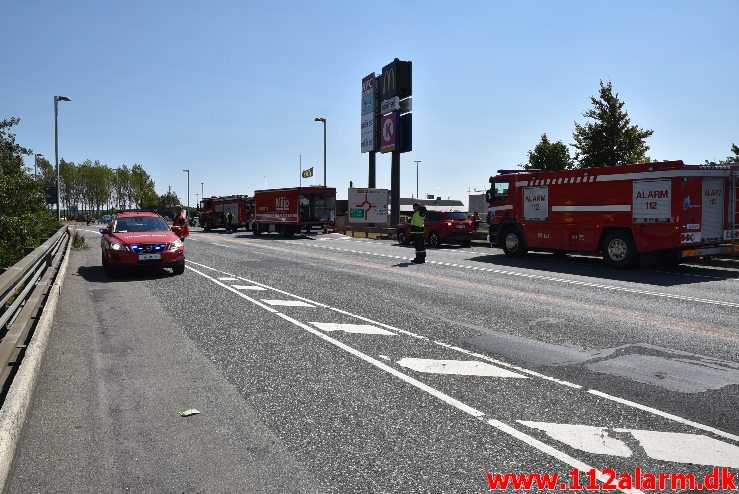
(365, 373)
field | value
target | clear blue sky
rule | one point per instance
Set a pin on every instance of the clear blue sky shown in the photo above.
(230, 89)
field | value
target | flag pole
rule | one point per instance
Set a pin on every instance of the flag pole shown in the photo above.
(301, 170)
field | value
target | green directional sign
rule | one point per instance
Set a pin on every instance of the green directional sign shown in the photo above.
(356, 212)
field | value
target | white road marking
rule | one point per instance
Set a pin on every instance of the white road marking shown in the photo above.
(456, 367)
(248, 287)
(245, 297)
(531, 441)
(287, 303)
(385, 357)
(629, 403)
(583, 437)
(560, 455)
(510, 366)
(686, 448)
(568, 281)
(352, 328)
(227, 278)
(666, 415)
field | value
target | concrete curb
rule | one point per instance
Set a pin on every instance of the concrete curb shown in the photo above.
(13, 412)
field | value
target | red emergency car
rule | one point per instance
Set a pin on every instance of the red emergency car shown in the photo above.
(141, 238)
(441, 227)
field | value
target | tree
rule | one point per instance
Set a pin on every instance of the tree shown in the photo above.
(549, 156)
(167, 203)
(142, 188)
(24, 218)
(610, 139)
(11, 154)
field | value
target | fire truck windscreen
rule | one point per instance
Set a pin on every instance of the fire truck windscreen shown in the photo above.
(501, 191)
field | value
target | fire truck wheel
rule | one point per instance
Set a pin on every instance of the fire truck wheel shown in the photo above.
(402, 237)
(434, 240)
(619, 250)
(513, 242)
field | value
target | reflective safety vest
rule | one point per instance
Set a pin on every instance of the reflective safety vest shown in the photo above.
(417, 220)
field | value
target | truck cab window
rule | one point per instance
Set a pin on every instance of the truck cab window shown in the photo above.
(498, 192)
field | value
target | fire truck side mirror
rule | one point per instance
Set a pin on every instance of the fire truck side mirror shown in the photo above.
(490, 195)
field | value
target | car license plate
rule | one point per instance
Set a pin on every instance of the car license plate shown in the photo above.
(461, 227)
(149, 257)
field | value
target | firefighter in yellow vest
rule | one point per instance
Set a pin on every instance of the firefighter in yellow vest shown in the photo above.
(417, 221)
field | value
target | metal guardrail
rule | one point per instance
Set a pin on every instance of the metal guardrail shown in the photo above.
(24, 288)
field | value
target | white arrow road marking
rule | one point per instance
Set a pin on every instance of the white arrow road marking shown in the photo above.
(247, 287)
(583, 437)
(227, 278)
(458, 367)
(288, 303)
(686, 448)
(352, 328)
(676, 447)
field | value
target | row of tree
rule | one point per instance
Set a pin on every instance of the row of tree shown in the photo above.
(607, 139)
(92, 187)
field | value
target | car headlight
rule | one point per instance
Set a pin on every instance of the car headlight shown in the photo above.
(176, 245)
(117, 246)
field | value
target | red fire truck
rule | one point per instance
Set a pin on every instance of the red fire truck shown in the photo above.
(669, 208)
(290, 211)
(214, 209)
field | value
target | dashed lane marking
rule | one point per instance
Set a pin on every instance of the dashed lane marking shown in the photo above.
(248, 287)
(227, 278)
(352, 328)
(287, 303)
(456, 367)
(568, 281)
(562, 382)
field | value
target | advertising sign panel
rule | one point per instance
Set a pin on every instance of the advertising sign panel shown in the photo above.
(388, 132)
(368, 113)
(368, 206)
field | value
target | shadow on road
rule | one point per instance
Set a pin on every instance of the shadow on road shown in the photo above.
(658, 275)
(96, 274)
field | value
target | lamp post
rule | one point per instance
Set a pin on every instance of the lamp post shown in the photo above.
(323, 120)
(188, 188)
(417, 162)
(202, 196)
(57, 99)
(197, 202)
(35, 163)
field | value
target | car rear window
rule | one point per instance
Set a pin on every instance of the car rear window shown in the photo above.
(140, 224)
(456, 216)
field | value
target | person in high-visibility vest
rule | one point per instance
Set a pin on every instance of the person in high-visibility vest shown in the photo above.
(417, 222)
(229, 221)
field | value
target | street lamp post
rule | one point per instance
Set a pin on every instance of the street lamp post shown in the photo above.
(197, 202)
(323, 120)
(202, 196)
(57, 99)
(417, 162)
(188, 188)
(35, 163)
